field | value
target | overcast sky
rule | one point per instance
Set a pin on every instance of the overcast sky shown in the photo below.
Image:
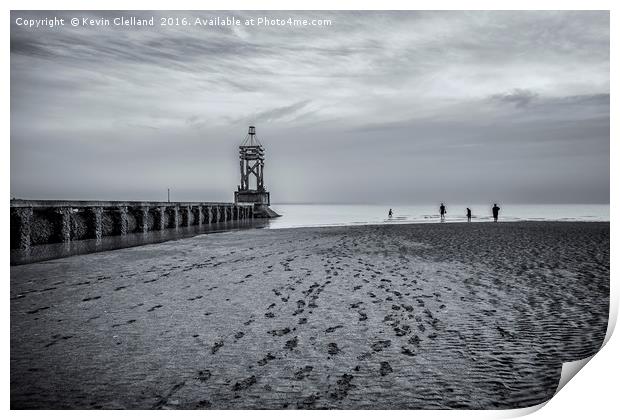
(387, 108)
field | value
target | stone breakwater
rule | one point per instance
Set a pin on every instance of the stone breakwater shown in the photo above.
(387, 317)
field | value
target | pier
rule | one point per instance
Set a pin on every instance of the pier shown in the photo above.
(41, 222)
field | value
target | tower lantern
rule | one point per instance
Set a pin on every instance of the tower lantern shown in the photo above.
(252, 190)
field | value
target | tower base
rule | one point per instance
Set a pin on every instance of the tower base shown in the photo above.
(261, 202)
(252, 196)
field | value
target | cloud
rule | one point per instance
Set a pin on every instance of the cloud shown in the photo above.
(400, 92)
(517, 97)
(279, 113)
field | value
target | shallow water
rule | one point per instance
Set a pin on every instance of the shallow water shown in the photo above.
(306, 215)
(310, 215)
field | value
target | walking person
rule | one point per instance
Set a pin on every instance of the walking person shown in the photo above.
(495, 210)
(390, 214)
(468, 214)
(442, 212)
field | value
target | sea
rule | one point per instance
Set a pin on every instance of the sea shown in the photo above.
(310, 215)
(307, 215)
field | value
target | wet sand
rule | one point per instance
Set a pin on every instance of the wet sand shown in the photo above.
(386, 317)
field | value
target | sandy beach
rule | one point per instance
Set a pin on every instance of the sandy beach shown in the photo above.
(413, 316)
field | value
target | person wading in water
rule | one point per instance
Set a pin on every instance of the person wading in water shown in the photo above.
(495, 210)
(468, 214)
(442, 212)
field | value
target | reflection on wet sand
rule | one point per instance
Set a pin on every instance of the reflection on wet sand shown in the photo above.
(60, 250)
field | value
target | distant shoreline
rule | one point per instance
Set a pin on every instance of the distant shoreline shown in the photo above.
(433, 222)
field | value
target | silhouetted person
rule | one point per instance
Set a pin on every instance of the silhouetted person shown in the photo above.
(468, 214)
(442, 212)
(390, 213)
(495, 210)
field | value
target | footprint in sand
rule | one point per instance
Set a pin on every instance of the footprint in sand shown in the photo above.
(332, 348)
(407, 351)
(380, 345)
(279, 333)
(216, 346)
(291, 344)
(385, 368)
(244, 384)
(332, 329)
(266, 359)
(203, 375)
(343, 386)
(402, 330)
(415, 340)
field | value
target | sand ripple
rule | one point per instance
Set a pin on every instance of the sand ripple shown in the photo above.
(408, 316)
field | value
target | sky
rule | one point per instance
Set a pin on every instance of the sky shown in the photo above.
(376, 107)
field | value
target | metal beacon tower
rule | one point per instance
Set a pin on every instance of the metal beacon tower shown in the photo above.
(252, 188)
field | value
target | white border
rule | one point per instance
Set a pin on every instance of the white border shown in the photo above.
(592, 394)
